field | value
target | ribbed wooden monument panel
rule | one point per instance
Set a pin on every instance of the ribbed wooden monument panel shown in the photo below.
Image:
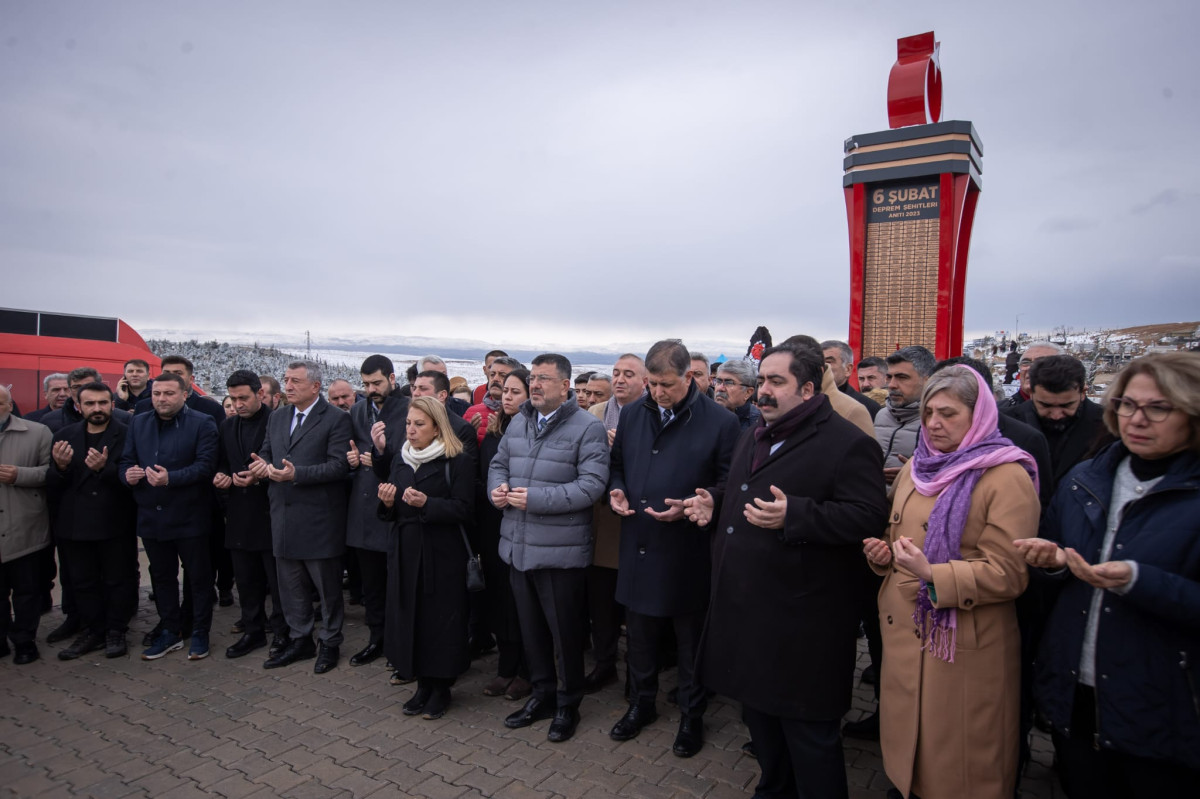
(900, 284)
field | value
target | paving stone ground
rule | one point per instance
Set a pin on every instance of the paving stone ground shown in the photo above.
(173, 729)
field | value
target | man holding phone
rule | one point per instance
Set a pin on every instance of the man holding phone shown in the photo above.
(134, 386)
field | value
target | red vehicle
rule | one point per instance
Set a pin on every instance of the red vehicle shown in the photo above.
(34, 344)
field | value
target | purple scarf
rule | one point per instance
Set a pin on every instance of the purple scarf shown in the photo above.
(951, 477)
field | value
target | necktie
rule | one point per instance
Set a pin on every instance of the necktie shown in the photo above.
(299, 423)
(542, 424)
(667, 416)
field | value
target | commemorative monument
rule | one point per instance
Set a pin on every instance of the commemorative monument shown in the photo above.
(911, 193)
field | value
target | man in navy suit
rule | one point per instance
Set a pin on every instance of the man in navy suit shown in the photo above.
(304, 457)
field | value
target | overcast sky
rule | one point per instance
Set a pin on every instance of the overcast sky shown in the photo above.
(576, 173)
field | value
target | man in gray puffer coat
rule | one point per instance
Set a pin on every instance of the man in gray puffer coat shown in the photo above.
(551, 467)
(898, 424)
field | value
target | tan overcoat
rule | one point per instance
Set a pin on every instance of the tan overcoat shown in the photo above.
(605, 524)
(949, 730)
(846, 407)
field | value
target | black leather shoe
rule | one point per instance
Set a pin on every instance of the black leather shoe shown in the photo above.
(114, 645)
(62, 632)
(690, 739)
(86, 641)
(278, 644)
(327, 659)
(437, 705)
(246, 644)
(629, 725)
(26, 653)
(535, 710)
(564, 724)
(225, 599)
(866, 728)
(598, 678)
(418, 700)
(373, 651)
(297, 649)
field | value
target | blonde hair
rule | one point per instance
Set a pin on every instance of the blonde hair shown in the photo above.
(441, 420)
(1177, 375)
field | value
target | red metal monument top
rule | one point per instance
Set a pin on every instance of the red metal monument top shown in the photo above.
(915, 83)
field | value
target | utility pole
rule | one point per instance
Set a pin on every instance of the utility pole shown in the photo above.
(308, 344)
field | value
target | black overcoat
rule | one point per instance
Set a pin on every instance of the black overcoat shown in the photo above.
(782, 622)
(90, 505)
(364, 528)
(247, 508)
(426, 619)
(664, 567)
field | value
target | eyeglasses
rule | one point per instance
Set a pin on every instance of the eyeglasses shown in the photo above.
(724, 382)
(1154, 412)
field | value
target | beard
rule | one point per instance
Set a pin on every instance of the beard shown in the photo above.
(98, 418)
(1057, 426)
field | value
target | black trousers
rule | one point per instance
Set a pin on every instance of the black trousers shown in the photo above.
(254, 572)
(552, 607)
(222, 561)
(104, 574)
(605, 613)
(503, 620)
(372, 569)
(24, 579)
(353, 578)
(63, 570)
(165, 559)
(1090, 773)
(644, 636)
(866, 596)
(799, 759)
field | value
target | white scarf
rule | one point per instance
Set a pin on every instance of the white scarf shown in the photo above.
(415, 457)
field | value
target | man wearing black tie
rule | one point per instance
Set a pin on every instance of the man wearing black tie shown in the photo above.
(304, 457)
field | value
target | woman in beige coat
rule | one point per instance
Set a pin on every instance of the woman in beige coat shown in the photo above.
(951, 677)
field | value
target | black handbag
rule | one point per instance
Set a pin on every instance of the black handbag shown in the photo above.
(475, 581)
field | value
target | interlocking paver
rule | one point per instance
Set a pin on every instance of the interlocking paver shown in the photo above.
(486, 783)
(229, 728)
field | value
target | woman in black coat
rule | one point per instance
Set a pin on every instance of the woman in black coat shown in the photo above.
(512, 673)
(429, 496)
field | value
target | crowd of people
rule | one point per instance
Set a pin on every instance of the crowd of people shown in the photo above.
(1032, 560)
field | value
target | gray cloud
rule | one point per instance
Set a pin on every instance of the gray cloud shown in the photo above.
(536, 172)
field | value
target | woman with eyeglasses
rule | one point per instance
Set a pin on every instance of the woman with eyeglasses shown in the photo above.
(512, 672)
(1119, 668)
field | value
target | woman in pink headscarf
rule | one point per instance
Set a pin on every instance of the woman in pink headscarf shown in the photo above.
(949, 691)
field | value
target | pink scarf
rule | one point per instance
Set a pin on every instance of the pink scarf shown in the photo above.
(951, 477)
